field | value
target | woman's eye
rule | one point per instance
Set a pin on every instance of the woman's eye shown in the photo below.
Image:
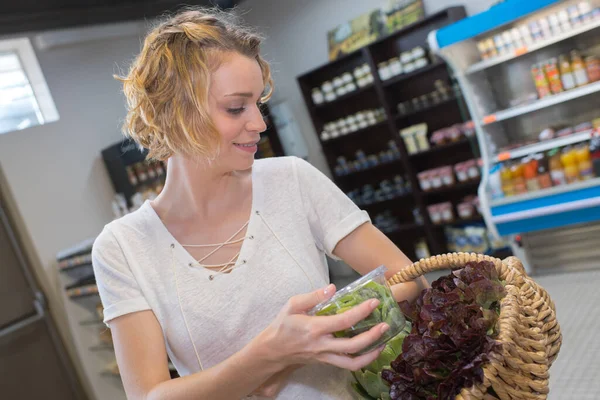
(236, 111)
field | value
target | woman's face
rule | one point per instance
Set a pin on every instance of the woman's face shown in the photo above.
(236, 87)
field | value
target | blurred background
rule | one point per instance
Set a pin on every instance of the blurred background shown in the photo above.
(459, 125)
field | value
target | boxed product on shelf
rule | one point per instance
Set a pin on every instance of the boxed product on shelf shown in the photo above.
(415, 138)
(445, 176)
(441, 212)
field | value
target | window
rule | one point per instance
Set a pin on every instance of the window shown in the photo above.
(24, 96)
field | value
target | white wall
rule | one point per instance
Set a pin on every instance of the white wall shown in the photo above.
(296, 42)
(54, 172)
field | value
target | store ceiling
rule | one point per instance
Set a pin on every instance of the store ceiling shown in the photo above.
(37, 15)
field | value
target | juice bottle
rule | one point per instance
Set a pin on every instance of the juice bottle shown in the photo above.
(566, 74)
(551, 70)
(541, 82)
(507, 181)
(518, 180)
(569, 162)
(557, 173)
(544, 179)
(530, 167)
(578, 67)
(584, 162)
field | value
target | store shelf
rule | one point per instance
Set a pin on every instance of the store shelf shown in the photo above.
(378, 167)
(404, 228)
(72, 267)
(482, 65)
(91, 322)
(347, 96)
(456, 187)
(439, 149)
(542, 103)
(149, 181)
(380, 124)
(544, 146)
(458, 221)
(392, 200)
(80, 292)
(403, 77)
(546, 192)
(101, 347)
(428, 108)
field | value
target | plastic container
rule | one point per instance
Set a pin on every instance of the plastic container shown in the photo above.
(424, 180)
(435, 214)
(371, 286)
(447, 175)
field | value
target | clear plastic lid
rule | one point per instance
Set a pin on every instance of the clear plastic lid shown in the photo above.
(378, 274)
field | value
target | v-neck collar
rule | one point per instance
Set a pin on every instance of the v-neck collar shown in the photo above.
(248, 245)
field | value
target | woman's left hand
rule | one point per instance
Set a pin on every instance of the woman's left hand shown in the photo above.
(271, 388)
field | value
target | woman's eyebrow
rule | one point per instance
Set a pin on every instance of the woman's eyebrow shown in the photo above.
(239, 94)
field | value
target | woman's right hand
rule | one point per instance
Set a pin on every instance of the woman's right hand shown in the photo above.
(296, 338)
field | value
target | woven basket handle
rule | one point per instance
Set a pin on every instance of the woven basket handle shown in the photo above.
(453, 261)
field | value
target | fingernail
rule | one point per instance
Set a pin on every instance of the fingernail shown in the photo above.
(385, 328)
(374, 303)
(328, 289)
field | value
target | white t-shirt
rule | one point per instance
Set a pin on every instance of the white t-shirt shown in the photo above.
(298, 216)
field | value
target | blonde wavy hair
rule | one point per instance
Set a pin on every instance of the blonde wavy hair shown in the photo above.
(167, 85)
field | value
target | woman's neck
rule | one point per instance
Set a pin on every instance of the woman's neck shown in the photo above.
(199, 190)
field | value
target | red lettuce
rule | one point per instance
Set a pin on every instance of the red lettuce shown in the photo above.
(451, 337)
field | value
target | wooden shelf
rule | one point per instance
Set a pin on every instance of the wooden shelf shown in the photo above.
(440, 149)
(454, 188)
(379, 167)
(401, 78)
(392, 200)
(452, 99)
(380, 124)
(387, 94)
(347, 96)
(458, 221)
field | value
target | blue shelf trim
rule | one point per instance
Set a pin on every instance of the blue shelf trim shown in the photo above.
(560, 198)
(493, 18)
(549, 221)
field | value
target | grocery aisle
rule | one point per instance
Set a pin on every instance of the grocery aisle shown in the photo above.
(574, 375)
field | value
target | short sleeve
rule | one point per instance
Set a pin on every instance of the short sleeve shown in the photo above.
(331, 214)
(118, 288)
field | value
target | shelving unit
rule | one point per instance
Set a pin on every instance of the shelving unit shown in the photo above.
(387, 94)
(85, 324)
(490, 85)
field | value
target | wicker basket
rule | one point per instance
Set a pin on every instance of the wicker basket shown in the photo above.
(528, 330)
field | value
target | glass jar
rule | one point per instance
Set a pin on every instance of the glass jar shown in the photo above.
(317, 96)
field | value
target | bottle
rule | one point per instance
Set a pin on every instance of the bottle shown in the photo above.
(544, 179)
(592, 66)
(578, 67)
(551, 70)
(541, 82)
(530, 166)
(569, 162)
(506, 179)
(557, 172)
(584, 162)
(518, 180)
(566, 74)
(595, 154)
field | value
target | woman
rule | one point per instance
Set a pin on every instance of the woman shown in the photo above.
(219, 270)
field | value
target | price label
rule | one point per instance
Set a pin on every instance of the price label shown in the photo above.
(488, 119)
(520, 51)
(504, 156)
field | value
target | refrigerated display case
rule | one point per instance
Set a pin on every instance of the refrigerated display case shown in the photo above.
(529, 72)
